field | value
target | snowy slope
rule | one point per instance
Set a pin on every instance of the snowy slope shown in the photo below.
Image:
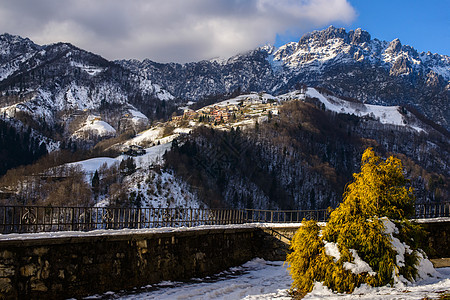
(155, 135)
(96, 126)
(385, 114)
(137, 117)
(156, 188)
(89, 166)
(391, 115)
(153, 156)
(53, 84)
(253, 97)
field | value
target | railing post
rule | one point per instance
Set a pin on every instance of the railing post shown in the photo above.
(72, 218)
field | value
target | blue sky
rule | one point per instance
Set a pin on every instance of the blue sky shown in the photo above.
(191, 30)
(425, 25)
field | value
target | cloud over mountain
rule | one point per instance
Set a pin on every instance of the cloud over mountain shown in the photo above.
(176, 30)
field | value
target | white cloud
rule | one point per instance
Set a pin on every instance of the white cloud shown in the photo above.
(168, 30)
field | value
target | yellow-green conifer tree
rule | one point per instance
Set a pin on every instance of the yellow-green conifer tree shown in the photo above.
(354, 247)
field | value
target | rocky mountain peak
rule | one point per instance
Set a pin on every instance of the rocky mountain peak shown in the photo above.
(352, 63)
(11, 39)
(359, 36)
(12, 46)
(349, 63)
(321, 37)
(394, 47)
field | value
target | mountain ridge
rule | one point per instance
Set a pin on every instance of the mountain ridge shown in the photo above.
(350, 64)
(52, 83)
(58, 85)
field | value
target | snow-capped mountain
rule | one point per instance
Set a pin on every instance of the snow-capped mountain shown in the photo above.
(350, 64)
(60, 85)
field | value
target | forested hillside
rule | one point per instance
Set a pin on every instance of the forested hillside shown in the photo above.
(302, 159)
(18, 147)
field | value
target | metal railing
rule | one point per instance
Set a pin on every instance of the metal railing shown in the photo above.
(285, 216)
(21, 219)
(432, 210)
(44, 219)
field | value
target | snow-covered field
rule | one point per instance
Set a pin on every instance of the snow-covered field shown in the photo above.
(260, 279)
(152, 155)
(256, 279)
(385, 114)
(95, 125)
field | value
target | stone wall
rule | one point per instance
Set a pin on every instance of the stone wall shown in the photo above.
(64, 267)
(59, 268)
(436, 242)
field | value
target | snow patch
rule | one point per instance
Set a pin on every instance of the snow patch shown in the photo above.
(95, 125)
(147, 136)
(137, 117)
(358, 266)
(332, 249)
(385, 114)
(91, 165)
(425, 268)
(91, 70)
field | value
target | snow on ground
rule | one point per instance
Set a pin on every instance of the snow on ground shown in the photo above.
(431, 288)
(153, 155)
(114, 232)
(154, 135)
(386, 114)
(161, 189)
(260, 279)
(37, 106)
(148, 87)
(155, 188)
(149, 135)
(96, 125)
(137, 117)
(91, 165)
(253, 97)
(256, 279)
(91, 70)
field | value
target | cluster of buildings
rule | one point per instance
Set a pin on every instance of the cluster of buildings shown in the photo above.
(218, 114)
(208, 114)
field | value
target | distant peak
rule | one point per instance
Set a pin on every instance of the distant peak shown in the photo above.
(394, 46)
(359, 36)
(326, 34)
(14, 38)
(267, 48)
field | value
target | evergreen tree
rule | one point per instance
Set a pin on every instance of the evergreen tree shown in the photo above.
(95, 183)
(127, 166)
(361, 231)
(131, 165)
